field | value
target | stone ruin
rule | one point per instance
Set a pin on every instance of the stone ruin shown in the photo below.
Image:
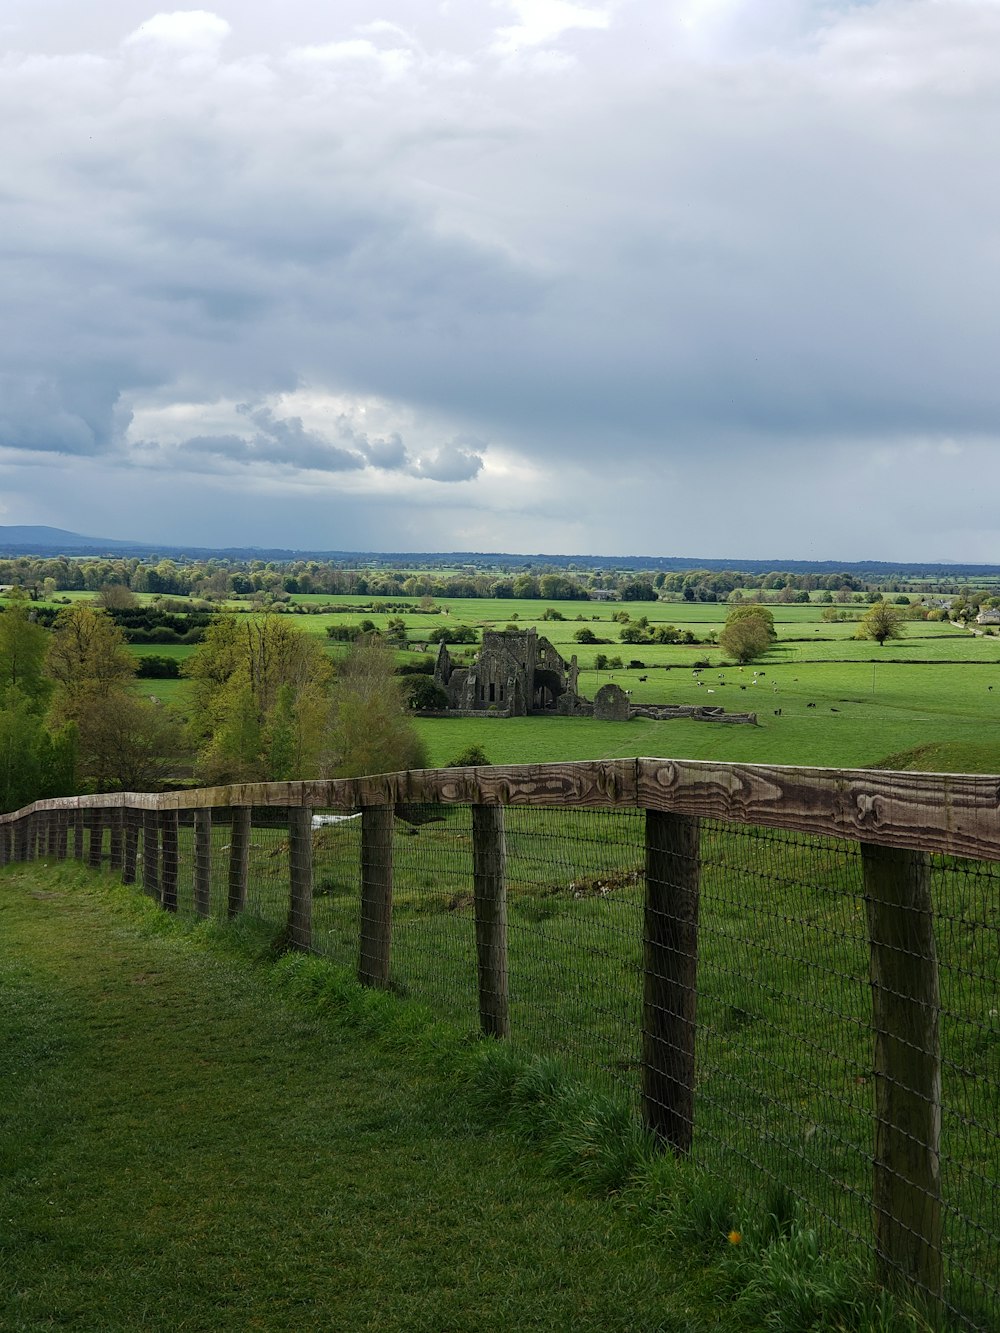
(516, 672)
(519, 672)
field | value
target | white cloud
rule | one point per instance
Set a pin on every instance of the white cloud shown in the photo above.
(183, 29)
(543, 21)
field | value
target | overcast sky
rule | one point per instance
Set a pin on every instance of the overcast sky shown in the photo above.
(666, 277)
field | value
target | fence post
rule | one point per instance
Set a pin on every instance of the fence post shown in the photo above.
(49, 833)
(151, 853)
(115, 850)
(239, 859)
(4, 844)
(59, 829)
(31, 837)
(299, 930)
(130, 849)
(670, 966)
(376, 895)
(78, 834)
(489, 879)
(95, 825)
(202, 862)
(168, 872)
(21, 839)
(906, 1190)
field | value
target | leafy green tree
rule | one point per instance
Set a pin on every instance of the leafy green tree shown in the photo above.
(87, 659)
(884, 621)
(471, 757)
(122, 741)
(372, 729)
(34, 762)
(23, 645)
(748, 632)
(424, 692)
(261, 707)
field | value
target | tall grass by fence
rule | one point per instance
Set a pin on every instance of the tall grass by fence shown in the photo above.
(792, 973)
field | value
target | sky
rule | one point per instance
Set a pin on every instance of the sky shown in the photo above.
(665, 277)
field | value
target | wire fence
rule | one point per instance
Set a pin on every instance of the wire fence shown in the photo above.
(805, 1014)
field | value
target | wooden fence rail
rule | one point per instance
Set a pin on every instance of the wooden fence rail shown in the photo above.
(896, 817)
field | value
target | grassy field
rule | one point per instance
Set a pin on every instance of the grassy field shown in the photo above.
(181, 1149)
(931, 698)
(784, 1093)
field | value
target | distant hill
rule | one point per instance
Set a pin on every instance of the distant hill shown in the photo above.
(43, 541)
(36, 540)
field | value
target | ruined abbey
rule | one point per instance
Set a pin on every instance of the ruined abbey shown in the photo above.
(519, 672)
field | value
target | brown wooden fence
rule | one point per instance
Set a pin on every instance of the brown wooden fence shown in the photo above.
(899, 819)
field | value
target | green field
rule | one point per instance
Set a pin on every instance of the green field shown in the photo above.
(923, 700)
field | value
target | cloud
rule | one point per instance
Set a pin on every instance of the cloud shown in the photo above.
(454, 461)
(543, 21)
(664, 242)
(182, 30)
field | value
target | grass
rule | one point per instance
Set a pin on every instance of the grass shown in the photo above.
(185, 1148)
(277, 1148)
(843, 702)
(784, 1047)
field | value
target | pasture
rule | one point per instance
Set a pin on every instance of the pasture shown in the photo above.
(822, 697)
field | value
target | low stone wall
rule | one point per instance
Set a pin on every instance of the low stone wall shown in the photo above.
(463, 712)
(697, 712)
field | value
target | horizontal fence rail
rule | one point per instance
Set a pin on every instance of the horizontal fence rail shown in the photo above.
(792, 973)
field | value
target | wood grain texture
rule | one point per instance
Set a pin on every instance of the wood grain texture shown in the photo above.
(300, 874)
(375, 953)
(906, 1006)
(170, 860)
(936, 812)
(239, 861)
(670, 977)
(489, 881)
(202, 862)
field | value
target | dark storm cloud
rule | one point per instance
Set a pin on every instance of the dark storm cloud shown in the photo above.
(617, 240)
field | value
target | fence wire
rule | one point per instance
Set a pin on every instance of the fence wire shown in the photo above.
(786, 1075)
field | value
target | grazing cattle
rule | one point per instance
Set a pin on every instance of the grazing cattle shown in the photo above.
(642, 679)
(742, 687)
(810, 705)
(777, 712)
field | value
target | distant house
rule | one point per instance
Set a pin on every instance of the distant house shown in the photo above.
(602, 595)
(989, 617)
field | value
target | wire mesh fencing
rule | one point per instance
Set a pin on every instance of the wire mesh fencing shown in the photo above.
(801, 1015)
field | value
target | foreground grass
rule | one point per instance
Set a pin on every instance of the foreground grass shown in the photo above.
(181, 1149)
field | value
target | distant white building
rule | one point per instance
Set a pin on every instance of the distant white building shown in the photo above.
(990, 617)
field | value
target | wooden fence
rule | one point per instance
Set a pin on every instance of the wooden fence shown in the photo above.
(898, 818)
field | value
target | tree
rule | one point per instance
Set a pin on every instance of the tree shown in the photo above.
(34, 762)
(261, 706)
(116, 597)
(424, 692)
(87, 658)
(372, 731)
(748, 632)
(882, 622)
(23, 645)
